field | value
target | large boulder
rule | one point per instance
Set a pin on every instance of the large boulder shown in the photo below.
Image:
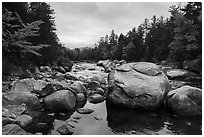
(18, 98)
(140, 85)
(185, 101)
(62, 100)
(13, 129)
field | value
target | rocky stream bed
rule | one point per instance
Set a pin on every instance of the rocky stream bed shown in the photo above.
(104, 98)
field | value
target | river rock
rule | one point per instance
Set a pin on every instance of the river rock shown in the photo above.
(185, 101)
(59, 76)
(100, 79)
(13, 129)
(39, 85)
(78, 87)
(24, 85)
(13, 111)
(24, 120)
(80, 97)
(47, 90)
(70, 76)
(45, 69)
(61, 70)
(96, 98)
(84, 111)
(60, 85)
(100, 91)
(176, 73)
(93, 85)
(62, 100)
(18, 98)
(140, 85)
(65, 130)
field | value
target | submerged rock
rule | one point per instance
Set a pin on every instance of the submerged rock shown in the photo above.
(140, 85)
(185, 101)
(62, 100)
(85, 111)
(98, 118)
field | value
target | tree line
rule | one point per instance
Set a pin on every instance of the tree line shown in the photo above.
(177, 38)
(29, 37)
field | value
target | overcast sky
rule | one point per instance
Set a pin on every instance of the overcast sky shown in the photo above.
(83, 23)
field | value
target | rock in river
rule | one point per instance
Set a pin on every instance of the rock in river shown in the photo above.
(62, 100)
(24, 120)
(185, 101)
(65, 130)
(84, 111)
(140, 85)
(17, 98)
(13, 129)
(78, 87)
(96, 98)
(176, 73)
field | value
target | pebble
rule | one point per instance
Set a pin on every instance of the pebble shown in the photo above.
(65, 130)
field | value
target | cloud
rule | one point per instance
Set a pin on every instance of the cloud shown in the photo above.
(83, 23)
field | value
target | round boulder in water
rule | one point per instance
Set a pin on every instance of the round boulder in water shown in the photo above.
(185, 101)
(140, 85)
(62, 100)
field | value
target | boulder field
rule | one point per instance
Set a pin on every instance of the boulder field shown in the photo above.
(59, 91)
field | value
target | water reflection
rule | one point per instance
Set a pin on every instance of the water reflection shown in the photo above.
(125, 121)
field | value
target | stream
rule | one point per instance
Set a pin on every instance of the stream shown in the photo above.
(112, 120)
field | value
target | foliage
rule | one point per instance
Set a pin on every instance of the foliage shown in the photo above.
(187, 43)
(15, 47)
